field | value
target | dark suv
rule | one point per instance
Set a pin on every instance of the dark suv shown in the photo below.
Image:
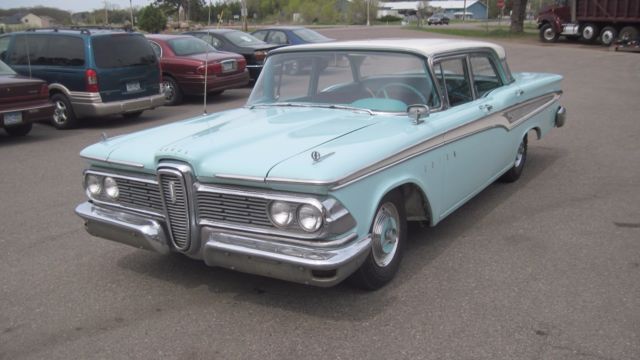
(91, 72)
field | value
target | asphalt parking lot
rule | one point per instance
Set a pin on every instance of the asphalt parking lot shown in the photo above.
(545, 268)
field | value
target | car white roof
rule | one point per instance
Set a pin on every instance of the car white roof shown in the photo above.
(426, 47)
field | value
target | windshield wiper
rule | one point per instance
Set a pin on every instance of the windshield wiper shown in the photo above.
(310, 105)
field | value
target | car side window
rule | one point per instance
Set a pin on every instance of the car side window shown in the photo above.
(261, 35)
(277, 37)
(485, 76)
(210, 39)
(48, 50)
(453, 77)
(29, 50)
(4, 46)
(156, 49)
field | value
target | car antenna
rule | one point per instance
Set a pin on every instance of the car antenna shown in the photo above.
(206, 70)
(26, 41)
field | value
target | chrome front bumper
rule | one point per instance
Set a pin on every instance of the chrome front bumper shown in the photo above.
(250, 253)
(91, 105)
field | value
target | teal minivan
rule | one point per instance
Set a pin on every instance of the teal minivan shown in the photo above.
(91, 72)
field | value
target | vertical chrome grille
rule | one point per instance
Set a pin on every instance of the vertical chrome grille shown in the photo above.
(176, 203)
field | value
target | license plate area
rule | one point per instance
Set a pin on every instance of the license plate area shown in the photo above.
(12, 118)
(133, 86)
(229, 66)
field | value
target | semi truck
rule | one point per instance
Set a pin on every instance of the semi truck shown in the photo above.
(590, 20)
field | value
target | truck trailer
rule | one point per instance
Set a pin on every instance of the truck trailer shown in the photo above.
(590, 20)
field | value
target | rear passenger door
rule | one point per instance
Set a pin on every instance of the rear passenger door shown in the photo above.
(474, 149)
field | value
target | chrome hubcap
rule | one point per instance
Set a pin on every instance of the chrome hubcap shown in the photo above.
(587, 33)
(520, 154)
(169, 91)
(549, 34)
(60, 112)
(607, 37)
(385, 234)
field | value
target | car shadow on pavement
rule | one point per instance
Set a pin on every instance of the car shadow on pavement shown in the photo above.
(341, 302)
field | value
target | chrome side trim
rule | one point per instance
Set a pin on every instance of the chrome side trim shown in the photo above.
(116, 162)
(507, 119)
(146, 179)
(32, 108)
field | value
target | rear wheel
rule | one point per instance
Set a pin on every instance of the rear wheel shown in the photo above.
(608, 35)
(172, 92)
(388, 238)
(18, 130)
(590, 32)
(63, 115)
(629, 33)
(547, 34)
(521, 157)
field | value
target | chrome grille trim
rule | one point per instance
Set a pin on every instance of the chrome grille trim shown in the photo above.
(175, 196)
(233, 209)
(139, 194)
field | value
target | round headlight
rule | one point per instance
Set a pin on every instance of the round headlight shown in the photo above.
(281, 213)
(94, 185)
(111, 187)
(309, 218)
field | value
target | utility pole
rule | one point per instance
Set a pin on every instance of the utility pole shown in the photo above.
(131, 12)
(368, 3)
(464, 11)
(244, 13)
(209, 21)
(106, 13)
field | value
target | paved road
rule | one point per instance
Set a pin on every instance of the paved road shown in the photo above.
(546, 268)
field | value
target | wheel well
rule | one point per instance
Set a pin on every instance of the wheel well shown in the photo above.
(543, 23)
(538, 132)
(416, 204)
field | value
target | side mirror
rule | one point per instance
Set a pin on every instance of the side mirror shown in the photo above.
(417, 112)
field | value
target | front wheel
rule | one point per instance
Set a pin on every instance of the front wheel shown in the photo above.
(521, 157)
(388, 238)
(547, 34)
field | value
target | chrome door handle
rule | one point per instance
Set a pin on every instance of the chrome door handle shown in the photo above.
(519, 92)
(486, 107)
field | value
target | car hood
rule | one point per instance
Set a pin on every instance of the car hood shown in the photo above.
(241, 143)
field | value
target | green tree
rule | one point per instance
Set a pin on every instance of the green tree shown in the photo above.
(151, 19)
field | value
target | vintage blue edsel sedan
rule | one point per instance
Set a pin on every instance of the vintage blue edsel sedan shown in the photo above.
(314, 180)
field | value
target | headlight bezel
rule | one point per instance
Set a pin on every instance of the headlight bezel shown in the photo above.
(110, 188)
(294, 223)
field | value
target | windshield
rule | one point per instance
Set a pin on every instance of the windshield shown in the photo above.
(5, 69)
(189, 46)
(240, 38)
(310, 35)
(372, 81)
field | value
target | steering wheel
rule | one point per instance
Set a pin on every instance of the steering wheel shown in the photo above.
(383, 90)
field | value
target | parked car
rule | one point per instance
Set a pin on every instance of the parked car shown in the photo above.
(292, 35)
(438, 19)
(315, 178)
(253, 50)
(183, 59)
(23, 101)
(91, 72)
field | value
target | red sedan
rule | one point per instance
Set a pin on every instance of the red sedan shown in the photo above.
(183, 60)
(23, 101)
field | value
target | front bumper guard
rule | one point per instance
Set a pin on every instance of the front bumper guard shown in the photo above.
(249, 253)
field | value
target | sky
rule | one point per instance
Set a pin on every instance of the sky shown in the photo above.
(75, 5)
